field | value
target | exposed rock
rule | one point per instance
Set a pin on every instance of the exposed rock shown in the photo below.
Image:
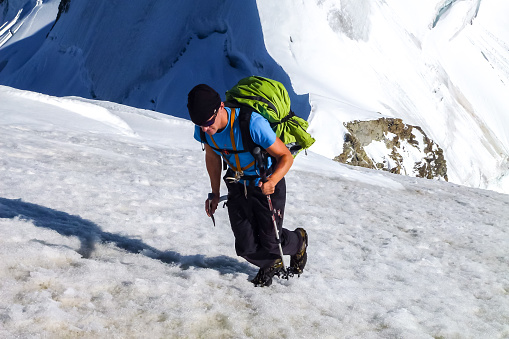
(391, 145)
(63, 7)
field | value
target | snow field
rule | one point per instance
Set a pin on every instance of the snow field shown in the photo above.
(104, 235)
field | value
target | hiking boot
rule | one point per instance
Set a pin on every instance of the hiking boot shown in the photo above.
(264, 276)
(298, 260)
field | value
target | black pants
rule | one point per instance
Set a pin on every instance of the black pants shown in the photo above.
(252, 225)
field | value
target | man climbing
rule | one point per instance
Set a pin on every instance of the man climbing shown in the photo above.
(251, 218)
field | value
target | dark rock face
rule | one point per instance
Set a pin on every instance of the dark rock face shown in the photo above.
(63, 7)
(389, 144)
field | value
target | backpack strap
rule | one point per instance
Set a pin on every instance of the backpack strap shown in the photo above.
(245, 113)
(247, 141)
(239, 170)
(261, 99)
(244, 121)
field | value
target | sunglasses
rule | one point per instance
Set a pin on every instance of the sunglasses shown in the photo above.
(211, 121)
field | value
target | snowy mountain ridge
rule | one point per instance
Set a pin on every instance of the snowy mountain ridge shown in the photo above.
(440, 65)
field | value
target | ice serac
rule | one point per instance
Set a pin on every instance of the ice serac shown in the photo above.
(445, 5)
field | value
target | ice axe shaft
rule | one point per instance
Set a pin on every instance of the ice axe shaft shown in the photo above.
(257, 153)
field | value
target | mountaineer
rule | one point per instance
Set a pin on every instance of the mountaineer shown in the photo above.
(256, 192)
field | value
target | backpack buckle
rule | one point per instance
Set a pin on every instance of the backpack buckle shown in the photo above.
(238, 175)
(236, 178)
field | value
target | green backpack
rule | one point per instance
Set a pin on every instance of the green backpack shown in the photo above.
(269, 98)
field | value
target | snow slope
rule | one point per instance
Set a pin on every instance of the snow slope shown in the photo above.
(104, 236)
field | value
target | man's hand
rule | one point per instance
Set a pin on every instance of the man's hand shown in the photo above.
(211, 204)
(284, 161)
(267, 187)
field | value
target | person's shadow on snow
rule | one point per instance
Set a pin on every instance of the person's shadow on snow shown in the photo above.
(90, 234)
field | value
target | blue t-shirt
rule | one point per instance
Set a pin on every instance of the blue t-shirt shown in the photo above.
(260, 131)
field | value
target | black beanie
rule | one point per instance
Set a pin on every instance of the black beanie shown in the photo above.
(202, 100)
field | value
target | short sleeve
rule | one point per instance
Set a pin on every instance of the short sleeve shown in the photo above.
(197, 133)
(261, 132)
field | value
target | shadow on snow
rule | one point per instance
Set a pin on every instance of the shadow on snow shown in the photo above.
(90, 234)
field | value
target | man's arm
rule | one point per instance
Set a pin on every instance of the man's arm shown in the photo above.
(284, 162)
(214, 165)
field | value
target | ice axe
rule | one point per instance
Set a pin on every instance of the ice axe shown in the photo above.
(209, 199)
(257, 153)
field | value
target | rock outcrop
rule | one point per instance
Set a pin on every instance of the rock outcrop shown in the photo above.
(389, 144)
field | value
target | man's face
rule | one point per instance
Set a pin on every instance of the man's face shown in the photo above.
(210, 130)
(211, 126)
